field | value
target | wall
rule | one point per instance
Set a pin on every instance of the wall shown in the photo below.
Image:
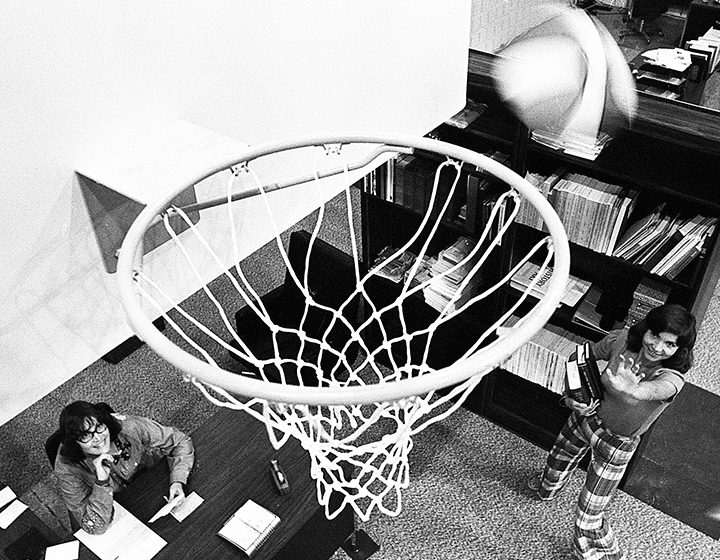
(81, 78)
(495, 22)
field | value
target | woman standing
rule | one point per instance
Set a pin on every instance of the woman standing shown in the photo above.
(645, 371)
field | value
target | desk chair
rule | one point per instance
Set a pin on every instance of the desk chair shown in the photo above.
(331, 279)
(640, 12)
(51, 447)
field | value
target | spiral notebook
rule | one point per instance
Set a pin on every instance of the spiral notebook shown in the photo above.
(249, 527)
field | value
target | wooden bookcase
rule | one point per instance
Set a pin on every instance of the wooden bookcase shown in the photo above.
(670, 153)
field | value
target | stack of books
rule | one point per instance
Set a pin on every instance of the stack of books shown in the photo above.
(593, 212)
(579, 145)
(528, 213)
(394, 269)
(665, 244)
(648, 295)
(583, 376)
(542, 359)
(443, 287)
(467, 115)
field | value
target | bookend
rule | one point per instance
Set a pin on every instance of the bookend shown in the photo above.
(359, 545)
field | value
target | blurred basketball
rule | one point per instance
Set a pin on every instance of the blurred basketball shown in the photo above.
(566, 74)
(542, 78)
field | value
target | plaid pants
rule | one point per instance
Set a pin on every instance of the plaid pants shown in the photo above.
(593, 539)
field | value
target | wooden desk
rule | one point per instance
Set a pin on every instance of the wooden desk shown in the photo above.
(27, 521)
(232, 459)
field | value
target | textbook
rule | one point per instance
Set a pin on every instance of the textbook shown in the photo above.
(589, 371)
(582, 378)
(249, 527)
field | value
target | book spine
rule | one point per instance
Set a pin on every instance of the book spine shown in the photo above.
(593, 373)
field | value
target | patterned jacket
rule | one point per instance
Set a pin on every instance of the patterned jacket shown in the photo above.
(91, 502)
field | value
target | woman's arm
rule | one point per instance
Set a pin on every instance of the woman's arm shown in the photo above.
(89, 500)
(628, 384)
(172, 443)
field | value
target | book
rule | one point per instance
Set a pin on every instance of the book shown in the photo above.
(589, 372)
(627, 205)
(679, 265)
(249, 527)
(575, 288)
(691, 244)
(671, 240)
(635, 239)
(396, 268)
(467, 115)
(574, 387)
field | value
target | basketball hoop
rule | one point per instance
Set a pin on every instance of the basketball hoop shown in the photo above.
(361, 414)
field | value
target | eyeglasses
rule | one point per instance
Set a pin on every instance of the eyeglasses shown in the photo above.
(87, 435)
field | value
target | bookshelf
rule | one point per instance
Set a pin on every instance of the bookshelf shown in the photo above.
(669, 155)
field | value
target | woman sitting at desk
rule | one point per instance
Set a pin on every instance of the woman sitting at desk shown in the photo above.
(101, 452)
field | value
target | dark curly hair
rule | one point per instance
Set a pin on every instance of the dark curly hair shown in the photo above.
(670, 318)
(72, 426)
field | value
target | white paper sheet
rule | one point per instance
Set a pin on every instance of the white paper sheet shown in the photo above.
(6, 496)
(163, 511)
(11, 513)
(187, 506)
(127, 538)
(65, 551)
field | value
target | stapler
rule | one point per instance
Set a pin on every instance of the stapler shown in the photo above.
(279, 478)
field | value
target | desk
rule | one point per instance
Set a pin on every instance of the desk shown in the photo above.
(27, 521)
(232, 459)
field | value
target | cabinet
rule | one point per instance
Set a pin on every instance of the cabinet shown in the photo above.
(669, 154)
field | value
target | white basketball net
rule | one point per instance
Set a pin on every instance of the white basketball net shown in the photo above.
(357, 450)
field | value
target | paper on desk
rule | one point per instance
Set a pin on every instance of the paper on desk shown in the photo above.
(125, 539)
(11, 513)
(65, 551)
(187, 506)
(166, 509)
(672, 59)
(6, 496)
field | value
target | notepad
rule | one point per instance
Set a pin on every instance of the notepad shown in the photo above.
(249, 527)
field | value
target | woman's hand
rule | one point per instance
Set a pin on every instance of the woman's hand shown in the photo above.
(102, 466)
(584, 409)
(626, 378)
(176, 489)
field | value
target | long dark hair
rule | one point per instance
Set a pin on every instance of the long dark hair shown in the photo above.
(72, 426)
(670, 318)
